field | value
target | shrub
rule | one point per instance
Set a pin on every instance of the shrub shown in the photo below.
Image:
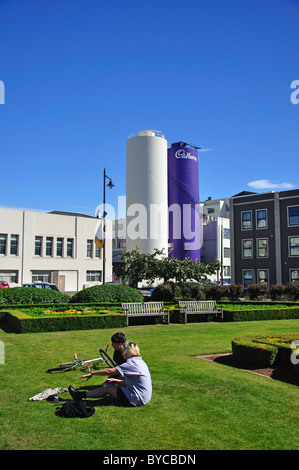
(31, 295)
(215, 292)
(257, 291)
(162, 292)
(175, 291)
(235, 291)
(263, 350)
(292, 292)
(108, 293)
(277, 291)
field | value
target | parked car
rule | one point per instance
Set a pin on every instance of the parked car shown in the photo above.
(3, 284)
(42, 285)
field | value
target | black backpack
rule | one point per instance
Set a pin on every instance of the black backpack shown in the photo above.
(75, 409)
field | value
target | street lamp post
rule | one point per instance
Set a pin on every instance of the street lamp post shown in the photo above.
(110, 186)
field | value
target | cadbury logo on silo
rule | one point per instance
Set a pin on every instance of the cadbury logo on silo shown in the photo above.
(181, 153)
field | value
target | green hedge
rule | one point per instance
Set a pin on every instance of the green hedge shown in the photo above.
(108, 293)
(263, 350)
(259, 313)
(20, 322)
(31, 295)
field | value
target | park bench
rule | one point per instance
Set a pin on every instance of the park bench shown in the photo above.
(144, 309)
(202, 307)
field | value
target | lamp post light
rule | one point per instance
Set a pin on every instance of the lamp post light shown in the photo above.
(110, 186)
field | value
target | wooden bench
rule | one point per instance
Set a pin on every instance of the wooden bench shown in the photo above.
(202, 307)
(144, 309)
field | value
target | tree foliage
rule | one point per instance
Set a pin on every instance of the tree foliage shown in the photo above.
(139, 266)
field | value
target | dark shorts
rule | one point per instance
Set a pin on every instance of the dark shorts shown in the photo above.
(122, 399)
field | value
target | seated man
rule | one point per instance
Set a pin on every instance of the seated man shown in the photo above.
(118, 340)
(133, 389)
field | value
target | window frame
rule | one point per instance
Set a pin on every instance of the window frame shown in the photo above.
(290, 275)
(257, 248)
(242, 247)
(242, 227)
(256, 219)
(258, 277)
(288, 216)
(290, 247)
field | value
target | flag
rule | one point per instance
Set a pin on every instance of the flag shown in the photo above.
(99, 236)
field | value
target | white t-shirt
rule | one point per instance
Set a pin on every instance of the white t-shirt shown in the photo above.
(138, 388)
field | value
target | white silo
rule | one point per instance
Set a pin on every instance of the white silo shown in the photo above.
(147, 192)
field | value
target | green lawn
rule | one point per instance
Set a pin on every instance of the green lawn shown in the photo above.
(196, 404)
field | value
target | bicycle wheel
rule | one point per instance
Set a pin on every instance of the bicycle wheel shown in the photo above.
(64, 367)
(107, 358)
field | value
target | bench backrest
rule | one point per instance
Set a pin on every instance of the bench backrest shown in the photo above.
(143, 308)
(198, 305)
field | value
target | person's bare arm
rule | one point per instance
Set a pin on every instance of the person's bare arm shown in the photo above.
(109, 371)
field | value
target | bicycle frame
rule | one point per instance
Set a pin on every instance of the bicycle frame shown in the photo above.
(84, 363)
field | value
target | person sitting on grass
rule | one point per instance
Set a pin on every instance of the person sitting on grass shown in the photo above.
(134, 388)
(118, 340)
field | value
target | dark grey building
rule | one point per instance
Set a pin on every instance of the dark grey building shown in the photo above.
(265, 237)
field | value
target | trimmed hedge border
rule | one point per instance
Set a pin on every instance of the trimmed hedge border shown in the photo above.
(263, 350)
(20, 322)
(291, 312)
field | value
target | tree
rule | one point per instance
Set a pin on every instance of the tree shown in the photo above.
(139, 266)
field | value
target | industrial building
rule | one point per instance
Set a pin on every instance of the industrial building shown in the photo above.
(56, 247)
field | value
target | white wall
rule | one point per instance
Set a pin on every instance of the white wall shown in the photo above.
(28, 224)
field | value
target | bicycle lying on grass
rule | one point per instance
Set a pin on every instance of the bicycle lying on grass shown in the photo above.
(85, 364)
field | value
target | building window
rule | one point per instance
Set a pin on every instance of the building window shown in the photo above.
(293, 216)
(59, 247)
(14, 244)
(70, 247)
(3, 239)
(294, 276)
(246, 218)
(49, 246)
(248, 277)
(89, 248)
(261, 219)
(98, 251)
(246, 248)
(226, 252)
(263, 276)
(93, 276)
(262, 247)
(9, 276)
(226, 233)
(293, 246)
(226, 270)
(38, 246)
(41, 276)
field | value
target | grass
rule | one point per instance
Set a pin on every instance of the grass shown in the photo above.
(196, 404)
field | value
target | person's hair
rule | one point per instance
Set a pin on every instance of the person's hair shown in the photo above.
(131, 349)
(118, 338)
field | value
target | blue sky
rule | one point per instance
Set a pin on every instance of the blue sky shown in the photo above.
(81, 75)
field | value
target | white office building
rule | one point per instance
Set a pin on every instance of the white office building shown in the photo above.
(216, 237)
(57, 247)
